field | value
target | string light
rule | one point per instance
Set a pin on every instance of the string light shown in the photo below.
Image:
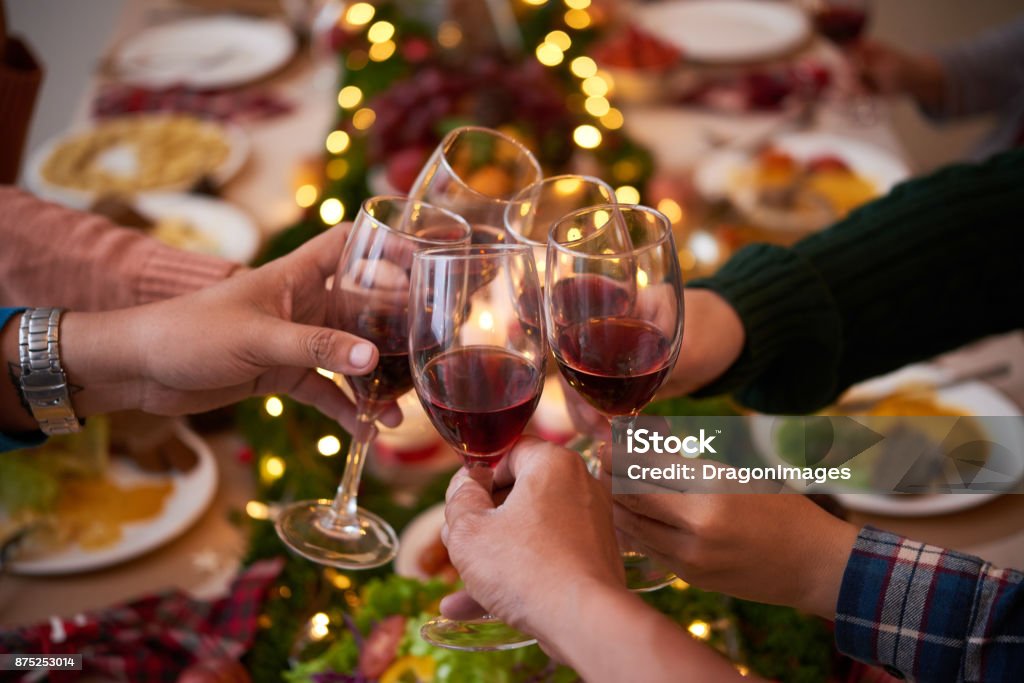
(332, 211)
(577, 18)
(337, 142)
(449, 34)
(349, 97)
(257, 510)
(584, 67)
(559, 39)
(548, 54)
(381, 32)
(613, 120)
(337, 579)
(595, 86)
(328, 445)
(272, 468)
(627, 194)
(318, 626)
(273, 405)
(673, 212)
(587, 136)
(305, 196)
(577, 4)
(337, 169)
(597, 106)
(380, 52)
(360, 14)
(700, 630)
(364, 118)
(536, 3)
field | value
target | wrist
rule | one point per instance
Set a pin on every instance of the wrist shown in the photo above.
(101, 362)
(826, 563)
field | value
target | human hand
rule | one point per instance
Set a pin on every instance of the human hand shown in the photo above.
(887, 70)
(259, 332)
(529, 559)
(775, 548)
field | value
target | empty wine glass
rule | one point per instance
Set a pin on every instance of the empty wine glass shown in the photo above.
(614, 303)
(478, 353)
(370, 298)
(475, 172)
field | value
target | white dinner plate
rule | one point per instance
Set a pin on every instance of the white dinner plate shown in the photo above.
(192, 493)
(418, 535)
(974, 398)
(238, 152)
(726, 31)
(235, 234)
(205, 53)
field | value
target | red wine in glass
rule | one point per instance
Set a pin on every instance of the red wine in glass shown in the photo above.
(841, 24)
(391, 377)
(587, 296)
(616, 364)
(481, 399)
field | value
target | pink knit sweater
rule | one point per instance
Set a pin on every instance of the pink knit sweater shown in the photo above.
(53, 256)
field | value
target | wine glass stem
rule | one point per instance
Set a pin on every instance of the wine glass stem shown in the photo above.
(481, 473)
(345, 505)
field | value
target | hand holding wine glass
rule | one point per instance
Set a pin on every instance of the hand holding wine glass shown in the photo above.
(477, 351)
(370, 298)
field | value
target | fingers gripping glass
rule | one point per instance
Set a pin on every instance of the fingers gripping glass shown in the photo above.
(477, 349)
(369, 298)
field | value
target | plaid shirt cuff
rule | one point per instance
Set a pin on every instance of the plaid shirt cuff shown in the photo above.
(930, 614)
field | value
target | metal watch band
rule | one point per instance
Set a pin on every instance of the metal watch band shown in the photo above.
(43, 382)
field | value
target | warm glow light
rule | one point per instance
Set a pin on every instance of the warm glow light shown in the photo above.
(273, 467)
(679, 584)
(559, 39)
(350, 96)
(360, 14)
(332, 211)
(257, 510)
(536, 3)
(364, 118)
(306, 196)
(320, 619)
(548, 54)
(318, 632)
(705, 247)
(273, 406)
(379, 52)
(627, 194)
(686, 259)
(670, 207)
(336, 169)
(743, 671)
(597, 106)
(328, 445)
(584, 67)
(699, 629)
(486, 321)
(587, 136)
(574, 234)
(568, 186)
(613, 119)
(577, 18)
(601, 218)
(337, 142)
(577, 4)
(595, 86)
(381, 32)
(641, 277)
(449, 34)
(339, 580)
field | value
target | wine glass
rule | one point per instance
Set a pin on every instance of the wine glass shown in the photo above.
(477, 351)
(614, 302)
(475, 172)
(534, 210)
(843, 22)
(369, 298)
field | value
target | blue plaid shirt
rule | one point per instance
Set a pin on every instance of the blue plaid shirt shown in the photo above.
(930, 614)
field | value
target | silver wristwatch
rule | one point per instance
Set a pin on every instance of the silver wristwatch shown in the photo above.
(43, 383)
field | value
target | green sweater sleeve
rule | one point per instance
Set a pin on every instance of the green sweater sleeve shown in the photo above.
(935, 264)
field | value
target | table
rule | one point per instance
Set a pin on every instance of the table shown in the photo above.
(203, 560)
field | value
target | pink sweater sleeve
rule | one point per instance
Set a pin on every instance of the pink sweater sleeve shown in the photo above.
(54, 256)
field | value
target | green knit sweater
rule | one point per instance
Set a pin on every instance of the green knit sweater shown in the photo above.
(935, 264)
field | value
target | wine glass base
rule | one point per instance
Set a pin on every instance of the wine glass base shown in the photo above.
(305, 528)
(643, 574)
(474, 635)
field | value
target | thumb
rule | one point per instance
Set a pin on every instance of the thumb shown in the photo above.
(282, 343)
(465, 496)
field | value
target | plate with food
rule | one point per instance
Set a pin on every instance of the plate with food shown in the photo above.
(133, 154)
(421, 554)
(122, 487)
(198, 223)
(802, 181)
(204, 52)
(727, 31)
(954, 431)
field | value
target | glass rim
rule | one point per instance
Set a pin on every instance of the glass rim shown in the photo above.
(515, 201)
(364, 213)
(473, 251)
(566, 247)
(452, 134)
